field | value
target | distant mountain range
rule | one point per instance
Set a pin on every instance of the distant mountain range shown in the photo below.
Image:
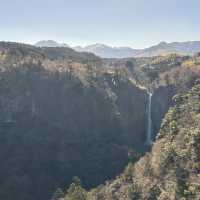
(163, 48)
(50, 43)
(108, 52)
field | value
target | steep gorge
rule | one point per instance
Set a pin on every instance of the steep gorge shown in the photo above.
(58, 124)
(64, 114)
(171, 170)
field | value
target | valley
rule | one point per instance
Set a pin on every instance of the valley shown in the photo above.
(66, 113)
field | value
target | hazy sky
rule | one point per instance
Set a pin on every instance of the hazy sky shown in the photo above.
(136, 23)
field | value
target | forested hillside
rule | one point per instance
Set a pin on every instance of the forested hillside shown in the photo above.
(66, 114)
(63, 114)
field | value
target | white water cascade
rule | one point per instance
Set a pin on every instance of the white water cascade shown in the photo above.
(149, 120)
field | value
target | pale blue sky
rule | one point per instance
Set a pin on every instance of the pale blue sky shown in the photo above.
(136, 23)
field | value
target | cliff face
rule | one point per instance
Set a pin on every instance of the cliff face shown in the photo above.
(62, 118)
(167, 76)
(161, 101)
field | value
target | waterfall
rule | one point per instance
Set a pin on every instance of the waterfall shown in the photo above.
(149, 121)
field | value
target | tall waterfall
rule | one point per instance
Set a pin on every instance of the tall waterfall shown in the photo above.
(149, 121)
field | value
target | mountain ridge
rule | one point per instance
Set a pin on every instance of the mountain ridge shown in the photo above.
(106, 51)
(50, 43)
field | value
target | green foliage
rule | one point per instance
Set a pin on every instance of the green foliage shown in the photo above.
(154, 193)
(134, 195)
(181, 178)
(196, 145)
(168, 155)
(128, 172)
(75, 191)
(169, 124)
(192, 61)
(173, 127)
